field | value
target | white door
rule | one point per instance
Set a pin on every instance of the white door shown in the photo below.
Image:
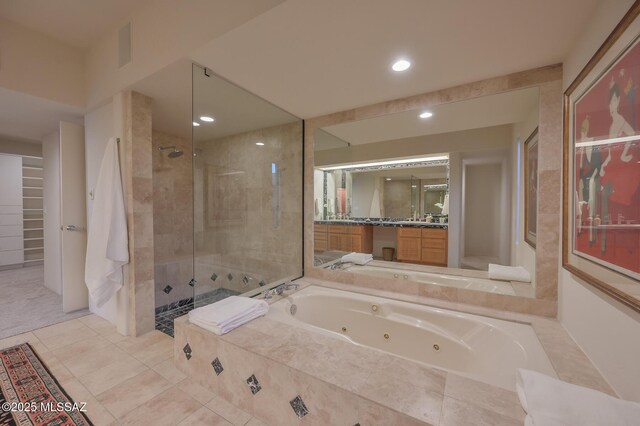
(73, 215)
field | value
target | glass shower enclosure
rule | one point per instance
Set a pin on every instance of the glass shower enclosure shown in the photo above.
(227, 201)
(247, 191)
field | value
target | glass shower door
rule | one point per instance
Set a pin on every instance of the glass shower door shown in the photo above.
(247, 190)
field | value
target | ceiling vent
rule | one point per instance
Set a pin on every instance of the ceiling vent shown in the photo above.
(124, 45)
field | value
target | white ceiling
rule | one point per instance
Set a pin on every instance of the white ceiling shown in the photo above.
(24, 116)
(75, 22)
(495, 110)
(316, 57)
(234, 109)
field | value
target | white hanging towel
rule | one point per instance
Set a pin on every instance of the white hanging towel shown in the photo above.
(108, 241)
(445, 205)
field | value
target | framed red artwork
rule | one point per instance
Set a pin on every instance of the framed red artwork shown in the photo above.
(531, 188)
(601, 231)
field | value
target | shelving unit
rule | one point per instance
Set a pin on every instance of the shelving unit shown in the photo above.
(32, 213)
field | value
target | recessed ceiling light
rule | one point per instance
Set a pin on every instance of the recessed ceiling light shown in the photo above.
(426, 114)
(260, 143)
(196, 124)
(388, 179)
(207, 119)
(401, 65)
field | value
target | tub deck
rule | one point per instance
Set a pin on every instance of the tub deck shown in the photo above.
(342, 383)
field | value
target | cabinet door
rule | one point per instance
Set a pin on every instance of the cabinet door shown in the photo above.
(355, 243)
(434, 256)
(335, 241)
(409, 249)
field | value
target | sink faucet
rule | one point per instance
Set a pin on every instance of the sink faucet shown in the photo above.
(339, 265)
(279, 290)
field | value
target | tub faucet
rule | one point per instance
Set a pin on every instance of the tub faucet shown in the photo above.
(284, 287)
(279, 290)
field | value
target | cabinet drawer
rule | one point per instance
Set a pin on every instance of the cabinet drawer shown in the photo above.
(409, 232)
(11, 257)
(320, 227)
(434, 243)
(11, 243)
(434, 256)
(434, 233)
(337, 229)
(320, 236)
(11, 230)
(320, 245)
(355, 230)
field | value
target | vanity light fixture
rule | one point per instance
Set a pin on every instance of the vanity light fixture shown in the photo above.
(414, 186)
(387, 163)
(196, 124)
(401, 65)
(207, 119)
(426, 114)
(260, 143)
(388, 179)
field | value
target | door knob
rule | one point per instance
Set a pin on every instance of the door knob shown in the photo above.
(73, 228)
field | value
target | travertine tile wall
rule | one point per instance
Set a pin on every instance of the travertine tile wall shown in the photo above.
(139, 192)
(235, 232)
(549, 81)
(172, 218)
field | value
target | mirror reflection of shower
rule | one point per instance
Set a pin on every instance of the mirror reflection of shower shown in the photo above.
(173, 154)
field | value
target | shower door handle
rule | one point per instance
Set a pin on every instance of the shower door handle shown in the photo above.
(74, 228)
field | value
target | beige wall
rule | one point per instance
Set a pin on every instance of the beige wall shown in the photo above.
(494, 137)
(606, 330)
(15, 147)
(161, 34)
(172, 218)
(235, 230)
(40, 66)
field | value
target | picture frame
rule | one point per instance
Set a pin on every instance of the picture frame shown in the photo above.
(531, 188)
(601, 167)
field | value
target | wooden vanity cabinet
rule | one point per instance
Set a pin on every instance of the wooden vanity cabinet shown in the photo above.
(320, 238)
(423, 245)
(409, 245)
(349, 238)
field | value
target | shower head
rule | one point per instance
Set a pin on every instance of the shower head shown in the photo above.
(173, 154)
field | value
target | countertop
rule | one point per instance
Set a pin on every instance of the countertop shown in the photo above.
(385, 223)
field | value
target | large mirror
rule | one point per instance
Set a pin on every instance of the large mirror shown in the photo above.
(415, 192)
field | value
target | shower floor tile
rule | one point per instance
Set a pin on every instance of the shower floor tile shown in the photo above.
(166, 315)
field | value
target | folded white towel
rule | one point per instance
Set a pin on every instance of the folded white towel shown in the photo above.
(551, 402)
(225, 315)
(357, 258)
(508, 273)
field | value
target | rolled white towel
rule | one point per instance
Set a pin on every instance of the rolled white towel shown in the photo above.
(357, 258)
(551, 402)
(508, 273)
(227, 314)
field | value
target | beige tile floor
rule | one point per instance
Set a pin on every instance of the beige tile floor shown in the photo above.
(126, 380)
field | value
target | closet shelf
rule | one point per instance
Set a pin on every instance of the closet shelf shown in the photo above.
(34, 260)
(34, 229)
(33, 239)
(32, 168)
(32, 187)
(33, 248)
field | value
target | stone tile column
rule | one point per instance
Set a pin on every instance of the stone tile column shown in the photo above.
(139, 192)
(549, 190)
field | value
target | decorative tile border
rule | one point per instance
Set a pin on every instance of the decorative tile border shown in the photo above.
(217, 366)
(298, 407)
(254, 385)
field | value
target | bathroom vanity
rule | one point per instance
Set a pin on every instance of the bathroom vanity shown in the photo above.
(415, 242)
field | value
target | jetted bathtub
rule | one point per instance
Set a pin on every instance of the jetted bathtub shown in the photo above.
(456, 281)
(482, 348)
